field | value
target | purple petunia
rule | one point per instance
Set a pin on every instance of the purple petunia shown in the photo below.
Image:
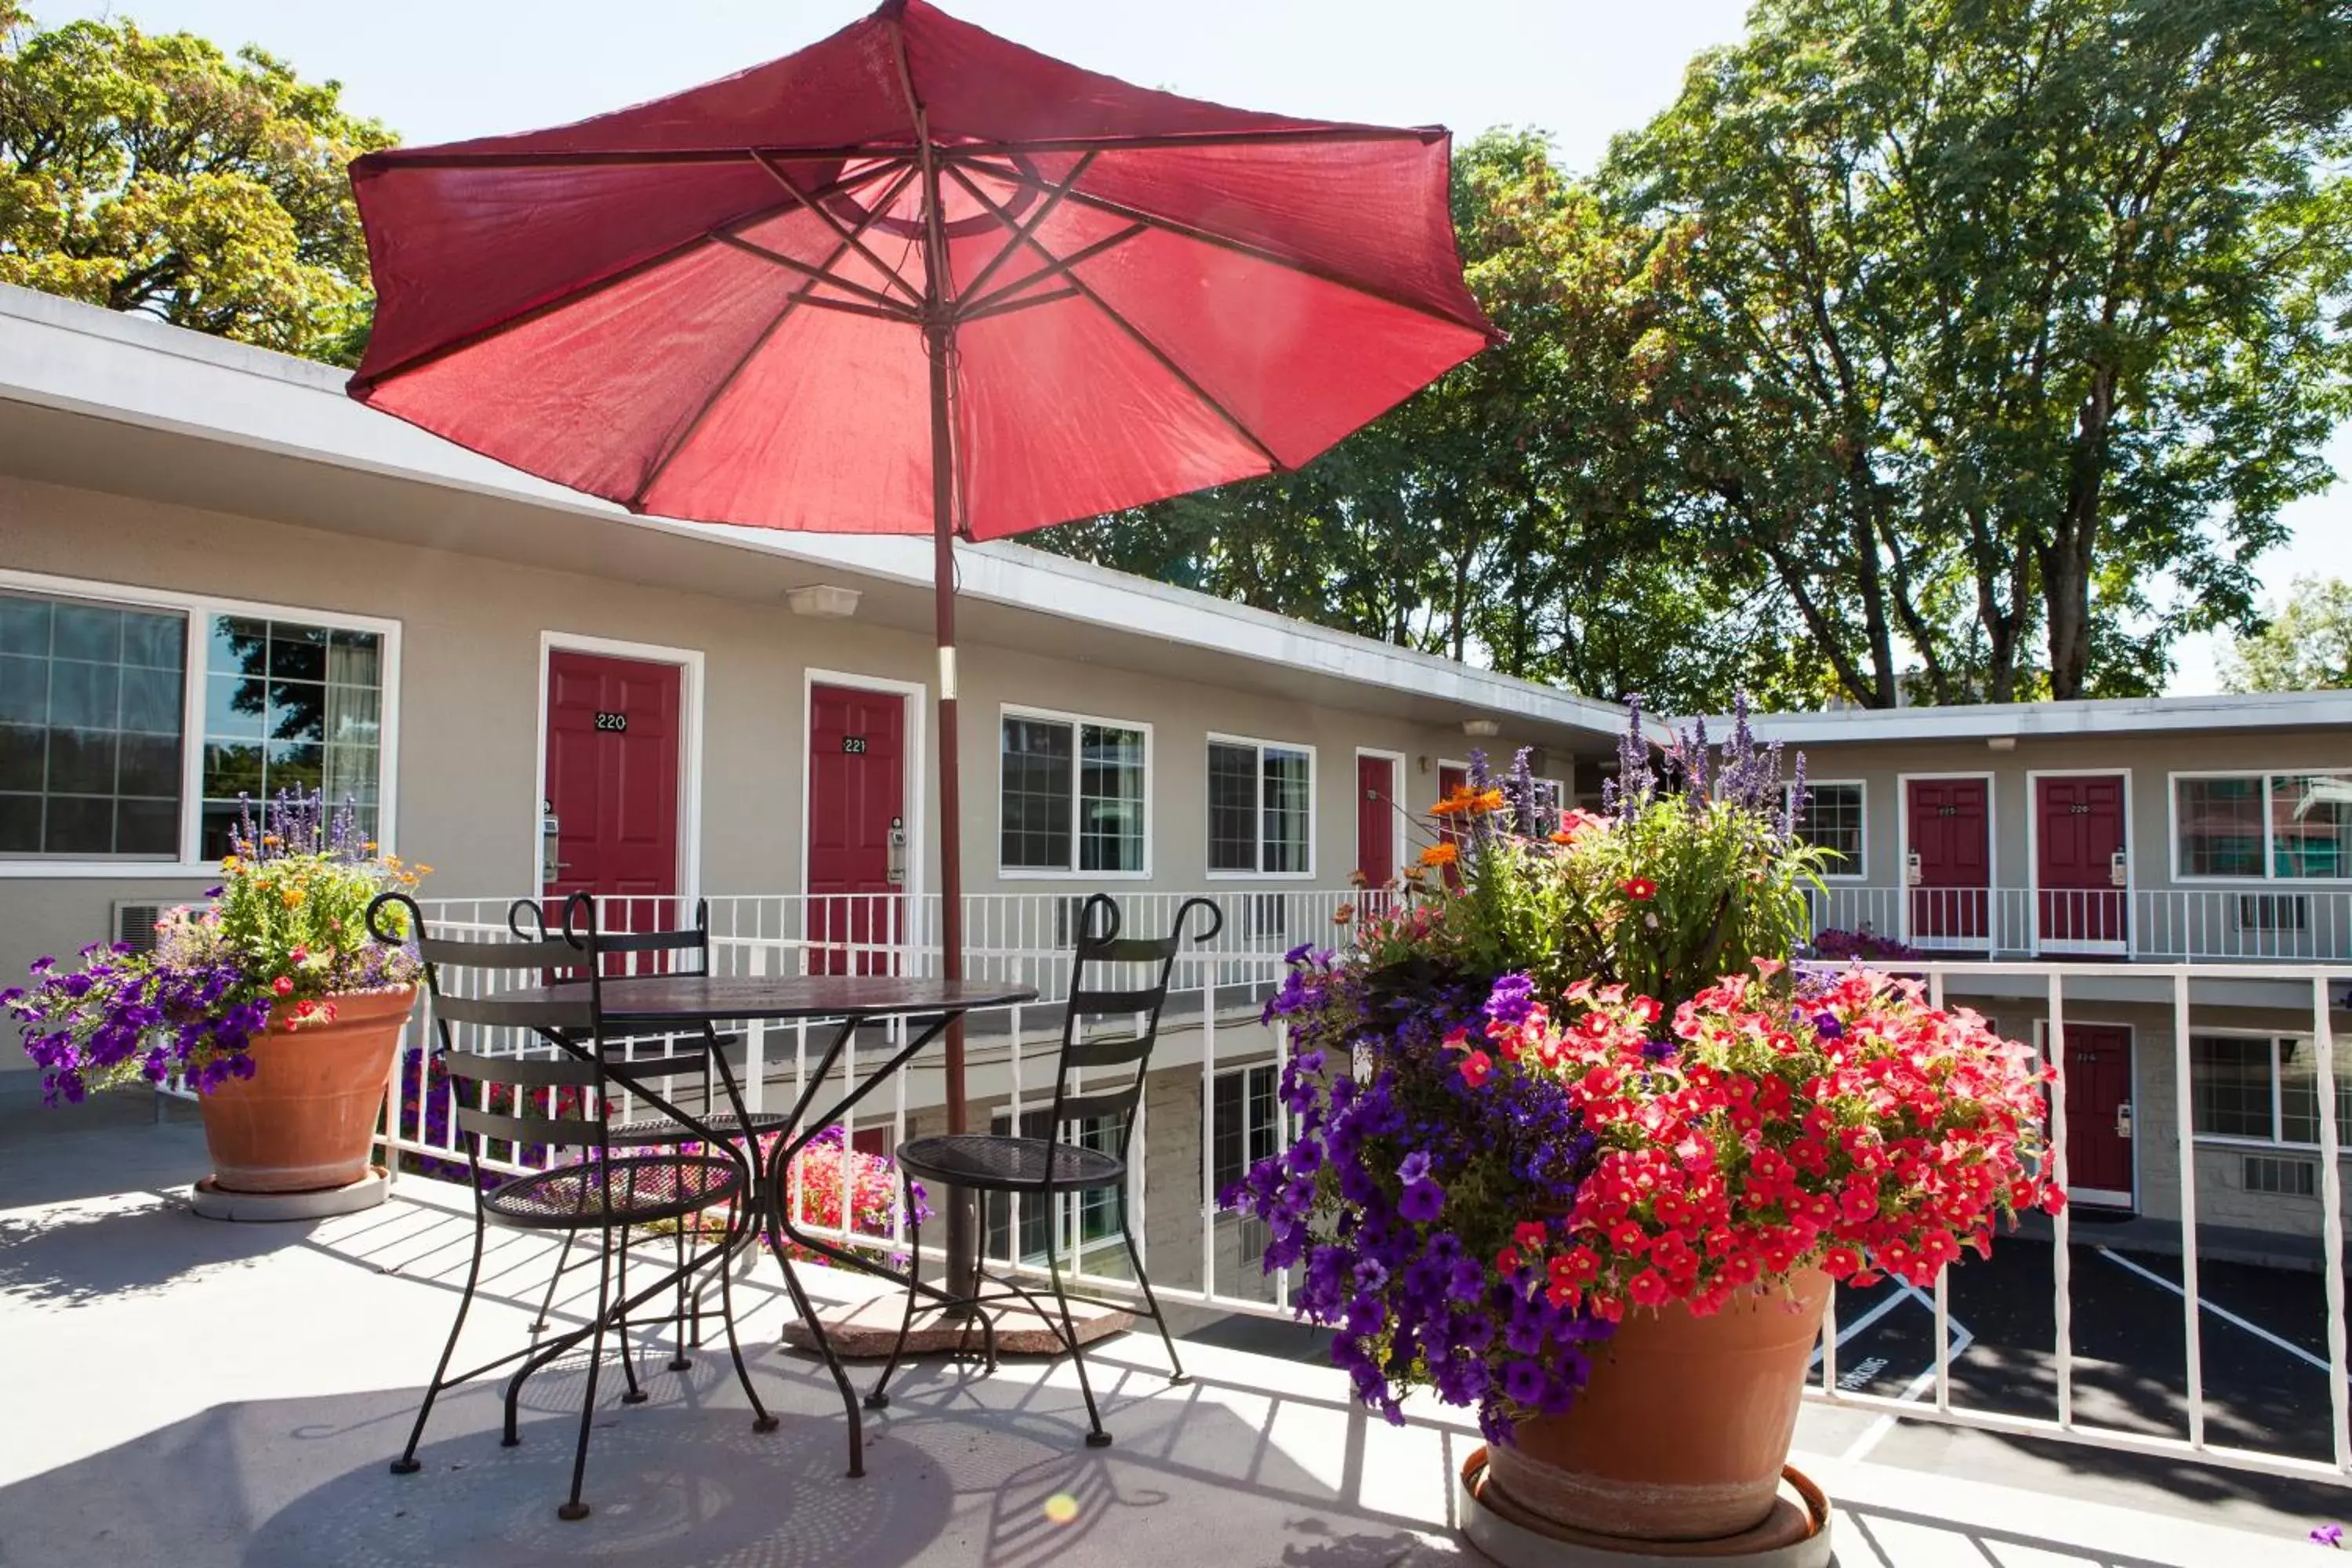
(1512, 998)
(1422, 1202)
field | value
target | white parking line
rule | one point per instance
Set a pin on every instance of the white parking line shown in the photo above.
(1847, 1331)
(1919, 1386)
(2227, 1316)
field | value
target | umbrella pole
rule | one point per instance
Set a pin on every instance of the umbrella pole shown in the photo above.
(963, 1250)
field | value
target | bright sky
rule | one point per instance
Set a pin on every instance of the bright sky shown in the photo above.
(436, 70)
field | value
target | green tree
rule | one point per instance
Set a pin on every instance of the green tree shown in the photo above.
(2005, 322)
(155, 173)
(2307, 647)
(1513, 512)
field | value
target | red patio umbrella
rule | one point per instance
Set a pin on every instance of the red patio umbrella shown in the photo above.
(912, 279)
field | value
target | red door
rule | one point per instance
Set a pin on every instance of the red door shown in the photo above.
(2079, 858)
(1376, 823)
(2098, 1070)
(612, 786)
(1948, 837)
(858, 844)
(1451, 781)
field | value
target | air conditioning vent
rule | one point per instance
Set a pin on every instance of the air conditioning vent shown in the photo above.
(2273, 912)
(2272, 1173)
(134, 925)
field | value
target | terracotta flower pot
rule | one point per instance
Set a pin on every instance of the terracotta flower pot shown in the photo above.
(1682, 1431)
(306, 1119)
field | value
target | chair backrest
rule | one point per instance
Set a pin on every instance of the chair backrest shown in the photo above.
(1138, 996)
(466, 977)
(528, 918)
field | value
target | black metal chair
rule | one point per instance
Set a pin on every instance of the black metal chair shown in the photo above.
(1047, 1170)
(686, 951)
(520, 1099)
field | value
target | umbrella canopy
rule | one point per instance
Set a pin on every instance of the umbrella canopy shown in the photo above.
(912, 279)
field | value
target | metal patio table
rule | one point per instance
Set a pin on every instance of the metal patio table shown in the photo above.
(689, 1002)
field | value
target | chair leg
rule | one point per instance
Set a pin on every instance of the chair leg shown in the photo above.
(880, 1398)
(679, 1361)
(634, 1395)
(761, 1420)
(406, 1465)
(1095, 1437)
(1176, 1367)
(547, 1303)
(572, 1508)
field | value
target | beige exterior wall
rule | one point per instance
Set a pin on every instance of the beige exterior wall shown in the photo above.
(2150, 761)
(467, 748)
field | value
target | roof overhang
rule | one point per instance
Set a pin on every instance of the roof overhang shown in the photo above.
(104, 401)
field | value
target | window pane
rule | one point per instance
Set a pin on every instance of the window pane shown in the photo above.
(1286, 809)
(1831, 819)
(1110, 799)
(2229, 1086)
(1263, 1141)
(1228, 1161)
(275, 693)
(1034, 781)
(2221, 825)
(2311, 825)
(1233, 808)
(2299, 1093)
(89, 723)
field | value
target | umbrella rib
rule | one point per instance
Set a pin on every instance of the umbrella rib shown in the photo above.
(1225, 242)
(792, 302)
(1028, 227)
(479, 335)
(983, 312)
(820, 274)
(840, 232)
(992, 304)
(1142, 338)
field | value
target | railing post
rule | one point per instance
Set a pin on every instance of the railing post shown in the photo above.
(2186, 1132)
(2331, 1218)
(2061, 1249)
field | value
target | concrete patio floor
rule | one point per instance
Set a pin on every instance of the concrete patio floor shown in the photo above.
(190, 1394)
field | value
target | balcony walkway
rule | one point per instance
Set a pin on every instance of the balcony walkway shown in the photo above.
(188, 1394)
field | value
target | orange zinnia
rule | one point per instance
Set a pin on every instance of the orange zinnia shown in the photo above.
(1440, 855)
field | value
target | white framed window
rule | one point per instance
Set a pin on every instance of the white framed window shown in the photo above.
(2259, 1088)
(1830, 818)
(131, 719)
(1261, 808)
(1087, 1219)
(1246, 1122)
(2292, 825)
(1073, 796)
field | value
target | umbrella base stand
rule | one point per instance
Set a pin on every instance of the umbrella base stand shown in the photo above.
(865, 1331)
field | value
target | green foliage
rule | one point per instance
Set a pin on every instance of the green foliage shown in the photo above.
(1953, 350)
(2005, 320)
(2307, 647)
(155, 173)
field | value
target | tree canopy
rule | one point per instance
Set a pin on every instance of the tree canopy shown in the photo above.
(1925, 350)
(2306, 646)
(157, 173)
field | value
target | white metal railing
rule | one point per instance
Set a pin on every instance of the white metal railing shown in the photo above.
(1958, 982)
(1212, 1024)
(2199, 925)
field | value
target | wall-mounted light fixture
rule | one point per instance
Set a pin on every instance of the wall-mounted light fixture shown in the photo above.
(2001, 743)
(824, 601)
(1480, 728)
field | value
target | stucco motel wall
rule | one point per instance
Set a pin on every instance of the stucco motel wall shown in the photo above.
(466, 749)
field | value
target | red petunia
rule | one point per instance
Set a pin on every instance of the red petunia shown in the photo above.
(1641, 890)
(1476, 1067)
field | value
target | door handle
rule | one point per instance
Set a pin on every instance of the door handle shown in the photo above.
(2124, 1119)
(897, 874)
(1912, 873)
